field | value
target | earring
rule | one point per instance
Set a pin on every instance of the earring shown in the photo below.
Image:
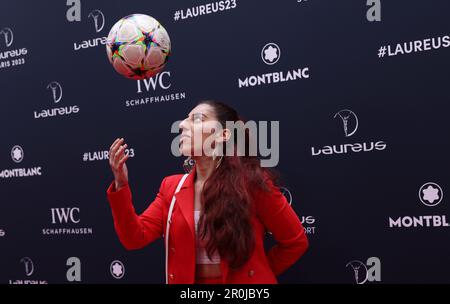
(214, 156)
(219, 162)
(188, 164)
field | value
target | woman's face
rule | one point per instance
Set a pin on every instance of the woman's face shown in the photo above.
(196, 130)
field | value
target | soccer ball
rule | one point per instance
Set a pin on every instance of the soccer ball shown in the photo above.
(138, 46)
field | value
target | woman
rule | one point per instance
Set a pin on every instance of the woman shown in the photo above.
(222, 210)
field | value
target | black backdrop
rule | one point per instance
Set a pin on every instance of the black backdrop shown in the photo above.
(344, 199)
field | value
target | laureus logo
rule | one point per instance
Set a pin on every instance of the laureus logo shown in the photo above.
(10, 57)
(350, 125)
(285, 191)
(349, 121)
(371, 271)
(56, 90)
(99, 19)
(8, 36)
(29, 266)
(29, 271)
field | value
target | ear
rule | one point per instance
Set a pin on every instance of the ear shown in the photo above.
(225, 136)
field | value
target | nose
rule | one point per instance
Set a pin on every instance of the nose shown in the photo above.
(183, 125)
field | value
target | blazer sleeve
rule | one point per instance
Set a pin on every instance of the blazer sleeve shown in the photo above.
(136, 231)
(280, 219)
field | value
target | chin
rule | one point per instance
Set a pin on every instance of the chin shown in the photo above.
(185, 151)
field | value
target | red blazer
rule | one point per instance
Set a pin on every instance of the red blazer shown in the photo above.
(272, 211)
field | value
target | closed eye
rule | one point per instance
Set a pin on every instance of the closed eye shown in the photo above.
(198, 117)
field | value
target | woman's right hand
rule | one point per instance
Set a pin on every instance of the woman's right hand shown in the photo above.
(117, 159)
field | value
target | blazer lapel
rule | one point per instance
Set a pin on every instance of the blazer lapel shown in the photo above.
(185, 201)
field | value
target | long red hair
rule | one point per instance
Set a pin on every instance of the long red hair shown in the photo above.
(226, 199)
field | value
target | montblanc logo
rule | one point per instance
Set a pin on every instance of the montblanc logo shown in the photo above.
(160, 82)
(8, 36)
(117, 269)
(270, 55)
(65, 221)
(13, 57)
(365, 272)
(56, 93)
(98, 20)
(430, 195)
(17, 156)
(349, 122)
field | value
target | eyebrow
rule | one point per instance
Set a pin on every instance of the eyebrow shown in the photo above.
(198, 113)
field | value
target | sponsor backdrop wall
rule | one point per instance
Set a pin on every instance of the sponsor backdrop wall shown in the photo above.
(360, 91)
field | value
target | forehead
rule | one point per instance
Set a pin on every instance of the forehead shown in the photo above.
(203, 108)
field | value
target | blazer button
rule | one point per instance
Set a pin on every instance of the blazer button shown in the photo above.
(171, 276)
(172, 249)
(251, 273)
